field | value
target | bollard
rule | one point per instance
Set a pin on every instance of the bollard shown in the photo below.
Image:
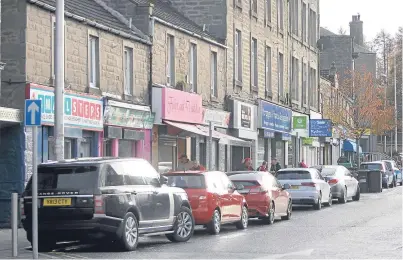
(14, 223)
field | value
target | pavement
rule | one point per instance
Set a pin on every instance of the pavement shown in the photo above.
(370, 228)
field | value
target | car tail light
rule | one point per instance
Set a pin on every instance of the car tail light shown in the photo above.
(333, 181)
(22, 210)
(308, 184)
(257, 190)
(98, 204)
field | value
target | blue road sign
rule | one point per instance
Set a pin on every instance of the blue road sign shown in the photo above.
(32, 112)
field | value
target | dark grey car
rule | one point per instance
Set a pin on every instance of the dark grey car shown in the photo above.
(106, 198)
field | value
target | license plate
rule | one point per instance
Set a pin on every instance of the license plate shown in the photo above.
(49, 202)
(294, 187)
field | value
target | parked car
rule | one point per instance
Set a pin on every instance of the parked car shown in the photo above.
(342, 182)
(214, 199)
(387, 175)
(308, 187)
(111, 199)
(266, 197)
(397, 172)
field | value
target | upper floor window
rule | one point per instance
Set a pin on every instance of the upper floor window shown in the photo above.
(94, 61)
(280, 14)
(213, 74)
(304, 84)
(303, 22)
(268, 11)
(254, 7)
(193, 67)
(267, 69)
(253, 63)
(294, 79)
(312, 27)
(294, 16)
(238, 56)
(280, 69)
(53, 47)
(128, 71)
(170, 60)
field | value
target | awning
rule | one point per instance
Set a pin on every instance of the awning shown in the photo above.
(350, 146)
(204, 131)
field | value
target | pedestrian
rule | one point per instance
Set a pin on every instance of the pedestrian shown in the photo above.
(197, 167)
(302, 164)
(275, 166)
(184, 163)
(263, 167)
(247, 165)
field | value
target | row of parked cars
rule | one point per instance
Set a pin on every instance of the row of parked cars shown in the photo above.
(114, 201)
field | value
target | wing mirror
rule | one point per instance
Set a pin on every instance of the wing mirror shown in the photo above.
(286, 186)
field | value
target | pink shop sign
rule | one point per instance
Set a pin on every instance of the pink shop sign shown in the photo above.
(181, 106)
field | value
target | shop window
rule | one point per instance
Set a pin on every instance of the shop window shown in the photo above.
(85, 148)
(107, 148)
(126, 148)
(203, 159)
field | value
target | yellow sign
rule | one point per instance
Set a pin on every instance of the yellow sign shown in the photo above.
(49, 202)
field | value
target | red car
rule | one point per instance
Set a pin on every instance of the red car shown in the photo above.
(266, 197)
(213, 197)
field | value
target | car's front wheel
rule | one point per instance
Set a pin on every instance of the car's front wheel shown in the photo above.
(357, 194)
(318, 204)
(243, 223)
(289, 211)
(183, 227)
(214, 226)
(130, 232)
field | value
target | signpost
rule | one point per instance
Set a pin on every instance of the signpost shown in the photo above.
(32, 118)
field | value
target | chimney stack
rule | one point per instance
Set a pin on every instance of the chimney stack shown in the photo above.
(356, 30)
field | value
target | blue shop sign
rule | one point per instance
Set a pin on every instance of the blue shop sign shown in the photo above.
(268, 133)
(320, 128)
(275, 118)
(286, 137)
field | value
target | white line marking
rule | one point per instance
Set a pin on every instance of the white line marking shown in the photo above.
(307, 252)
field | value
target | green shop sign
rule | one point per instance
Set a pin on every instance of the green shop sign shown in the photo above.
(299, 122)
(128, 117)
(307, 141)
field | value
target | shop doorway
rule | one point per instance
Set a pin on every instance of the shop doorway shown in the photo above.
(85, 147)
(126, 149)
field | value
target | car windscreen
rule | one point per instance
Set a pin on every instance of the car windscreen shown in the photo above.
(293, 175)
(186, 181)
(246, 184)
(66, 178)
(328, 171)
(371, 166)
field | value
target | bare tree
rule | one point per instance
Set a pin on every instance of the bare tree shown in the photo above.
(341, 31)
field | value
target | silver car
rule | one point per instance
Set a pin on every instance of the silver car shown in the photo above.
(308, 187)
(342, 182)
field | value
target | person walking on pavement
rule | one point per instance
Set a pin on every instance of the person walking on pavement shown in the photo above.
(263, 167)
(275, 166)
(247, 165)
(302, 164)
(184, 163)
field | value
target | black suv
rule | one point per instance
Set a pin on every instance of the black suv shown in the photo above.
(108, 199)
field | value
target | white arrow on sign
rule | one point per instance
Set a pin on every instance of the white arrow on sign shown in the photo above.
(33, 109)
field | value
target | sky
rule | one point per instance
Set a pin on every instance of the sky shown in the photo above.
(375, 14)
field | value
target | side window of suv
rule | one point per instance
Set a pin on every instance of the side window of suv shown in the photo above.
(226, 182)
(114, 175)
(142, 172)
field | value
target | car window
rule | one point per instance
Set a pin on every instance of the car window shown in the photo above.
(347, 173)
(389, 166)
(115, 175)
(186, 181)
(371, 166)
(329, 171)
(70, 178)
(141, 172)
(294, 175)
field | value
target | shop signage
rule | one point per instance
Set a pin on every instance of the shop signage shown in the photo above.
(244, 116)
(286, 137)
(181, 106)
(275, 117)
(268, 133)
(299, 122)
(308, 141)
(128, 115)
(80, 110)
(219, 118)
(320, 128)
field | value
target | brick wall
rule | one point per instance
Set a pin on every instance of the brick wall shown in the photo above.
(182, 45)
(39, 55)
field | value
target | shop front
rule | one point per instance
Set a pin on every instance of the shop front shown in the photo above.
(299, 130)
(127, 130)
(320, 129)
(274, 123)
(83, 121)
(181, 128)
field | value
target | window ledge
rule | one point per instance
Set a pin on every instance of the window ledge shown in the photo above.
(214, 99)
(238, 4)
(269, 93)
(254, 88)
(238, 83)
(254, 14)
(94, 91)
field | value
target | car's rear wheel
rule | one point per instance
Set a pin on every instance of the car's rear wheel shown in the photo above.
(318, 204)
(289, 211)
(330, 200)
(130, 234)
(271, 214)
(243, 223)
(214, 227)
(343, 199)
(184, 226)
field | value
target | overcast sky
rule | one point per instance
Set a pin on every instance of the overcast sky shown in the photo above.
(376, 15)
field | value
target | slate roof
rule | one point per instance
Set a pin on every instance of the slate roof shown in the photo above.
(90, 10)
(325, 32)
(165, 11)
